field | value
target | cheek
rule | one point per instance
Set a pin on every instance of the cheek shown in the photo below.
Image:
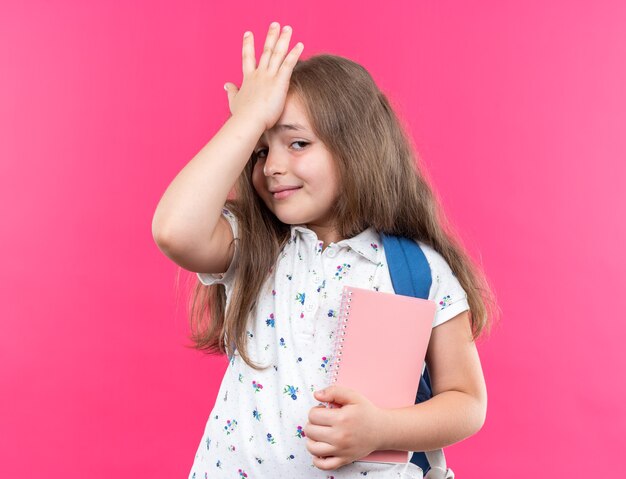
(333, 180)
(310, 172)
(334, 191)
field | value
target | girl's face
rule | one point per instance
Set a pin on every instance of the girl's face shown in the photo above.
(294, 173)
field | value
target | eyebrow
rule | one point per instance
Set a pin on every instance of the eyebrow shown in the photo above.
(287, 126)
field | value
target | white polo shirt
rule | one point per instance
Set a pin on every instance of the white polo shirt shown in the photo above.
(255, 427)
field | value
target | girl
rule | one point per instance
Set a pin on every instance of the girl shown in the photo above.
(323, 167)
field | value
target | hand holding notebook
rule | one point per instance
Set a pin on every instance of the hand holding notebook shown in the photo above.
(347, 432)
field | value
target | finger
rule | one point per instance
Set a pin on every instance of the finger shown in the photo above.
(328, 463)
(340, 395)
(247, 53)
(231, 91)
(280, 50)
(270, 43)
(284, 72)
(318, 433)
(320, 448)
(321, 416)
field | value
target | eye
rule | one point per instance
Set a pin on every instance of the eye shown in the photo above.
(257, 154)
(261, 152)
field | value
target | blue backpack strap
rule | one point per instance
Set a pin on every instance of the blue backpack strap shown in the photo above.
(408, 267)
(410, 276)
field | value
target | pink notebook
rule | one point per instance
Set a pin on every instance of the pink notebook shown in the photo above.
(380, 346)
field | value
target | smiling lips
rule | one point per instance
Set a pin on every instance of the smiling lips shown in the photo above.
(284, 191)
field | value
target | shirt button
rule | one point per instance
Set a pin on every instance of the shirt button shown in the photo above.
(310, 307)
(331, 253)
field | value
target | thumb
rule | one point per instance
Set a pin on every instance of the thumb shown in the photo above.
(231, 89)
(337, 394)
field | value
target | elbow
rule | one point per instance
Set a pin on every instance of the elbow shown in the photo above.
(480, 419)
(474, 411)
(162, 239)
(162, 229)
(161, 234)
(480, 412)
(474, 420)
(157, 231)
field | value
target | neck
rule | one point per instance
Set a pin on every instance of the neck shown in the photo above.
(326, 234)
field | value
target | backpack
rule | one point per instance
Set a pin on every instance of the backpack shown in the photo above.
(411, 276)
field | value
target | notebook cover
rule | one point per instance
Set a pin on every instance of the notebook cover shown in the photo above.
(383, 349)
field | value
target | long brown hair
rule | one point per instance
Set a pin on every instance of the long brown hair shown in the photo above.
(381, 186)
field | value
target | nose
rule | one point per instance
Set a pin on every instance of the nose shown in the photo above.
(275, 163)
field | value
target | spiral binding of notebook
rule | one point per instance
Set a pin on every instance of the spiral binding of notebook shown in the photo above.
(340, 333)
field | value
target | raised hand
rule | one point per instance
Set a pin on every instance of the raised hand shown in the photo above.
(264, 89)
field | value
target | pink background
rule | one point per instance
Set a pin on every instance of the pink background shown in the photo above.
(518, 111)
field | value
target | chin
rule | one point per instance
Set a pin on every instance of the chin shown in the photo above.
(288, 216)
(290, 219)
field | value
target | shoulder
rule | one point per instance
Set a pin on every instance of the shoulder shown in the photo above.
(445, 289)
(226, 278)
(436, 261)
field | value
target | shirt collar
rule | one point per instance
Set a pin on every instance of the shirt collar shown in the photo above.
(366, 243)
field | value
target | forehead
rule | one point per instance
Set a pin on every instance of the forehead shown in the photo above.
(293, 119)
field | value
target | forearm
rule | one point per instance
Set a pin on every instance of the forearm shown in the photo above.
(192, 204)
(443, 420)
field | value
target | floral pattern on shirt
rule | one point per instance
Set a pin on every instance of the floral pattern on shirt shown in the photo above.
(291, 331)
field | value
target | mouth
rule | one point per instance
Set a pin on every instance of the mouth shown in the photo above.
(279, 195)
